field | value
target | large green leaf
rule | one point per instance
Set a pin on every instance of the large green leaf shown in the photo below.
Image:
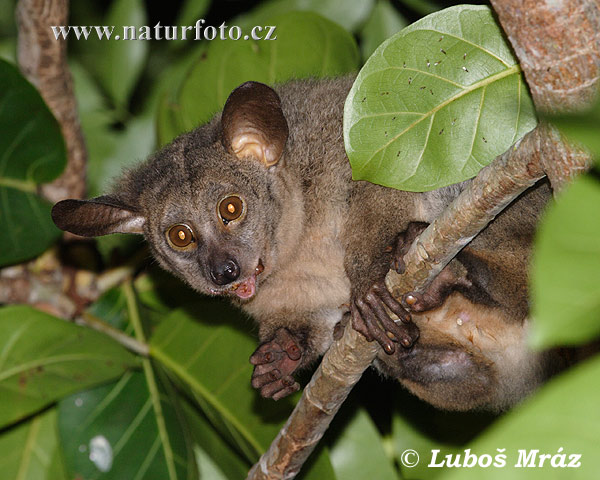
(307, 45)
(32, 151)
(436, 102)
(191, 11)
(359, 453)
(129, 147)
(212, 359)
(31, 450)
(384, 21)
(350, 14)
(563, 418)
(224, 457)
(119, 63)
(565, 279)
(208, 468)
(43, 358)
(138, 419)
(128, 429)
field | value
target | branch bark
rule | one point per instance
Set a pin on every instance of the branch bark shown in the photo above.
(562, 73)
(43, 60)
(558, 47)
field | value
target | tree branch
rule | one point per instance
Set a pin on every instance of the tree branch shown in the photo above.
(558, 47)
(535, 30)
(43, 60)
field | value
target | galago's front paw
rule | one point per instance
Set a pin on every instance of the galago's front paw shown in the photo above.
(274, 362)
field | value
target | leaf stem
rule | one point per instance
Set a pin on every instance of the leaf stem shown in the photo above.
(133, 311)
(24, 186)
(160, 418)
(130, 343)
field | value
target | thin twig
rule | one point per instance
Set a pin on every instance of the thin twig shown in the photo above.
(89, 320)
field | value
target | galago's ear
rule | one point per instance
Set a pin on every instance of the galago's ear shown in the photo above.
(253, 124)
(98, 216)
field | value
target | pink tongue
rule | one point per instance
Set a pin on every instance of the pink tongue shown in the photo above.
(247, 288)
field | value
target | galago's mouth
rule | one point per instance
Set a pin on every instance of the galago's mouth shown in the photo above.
(247, 288)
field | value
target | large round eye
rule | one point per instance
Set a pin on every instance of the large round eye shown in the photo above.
(230, 208)
(181, 236)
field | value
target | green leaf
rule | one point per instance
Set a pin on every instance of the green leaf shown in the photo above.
(138, 419)
(26, 228)
(358, 453)
(350, 14)
(225, 458)
(110, 151)
(563, 417)
(128, 429)
(384, 21)
(8, 48)
(212, 359)
(111, 308)
(119, 62)
(30, 450)
(162, 292)
(566, 262)
(307, 45)
(208, 468)
(43, 358)
(436, 102)
(92, 106)
(32, 151)
(168, 113)
(318, 467)
(130, 146)
(191, 11)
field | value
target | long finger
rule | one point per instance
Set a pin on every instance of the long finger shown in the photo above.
(399, 331)
(392, 303)
(375, 329)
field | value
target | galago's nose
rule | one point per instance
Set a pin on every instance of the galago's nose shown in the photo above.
(224, 272)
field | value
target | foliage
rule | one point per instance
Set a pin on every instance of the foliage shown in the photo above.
(565, 289)
(297, 53)
(32, 152)
(458, 101)
(76, 404)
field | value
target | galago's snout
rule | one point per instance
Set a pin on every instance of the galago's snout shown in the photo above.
(223, 272)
